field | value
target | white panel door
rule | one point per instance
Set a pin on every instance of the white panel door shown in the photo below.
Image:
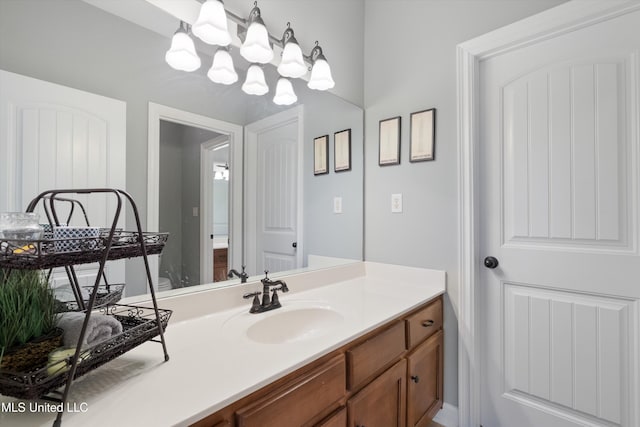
(559, 210)
(56, 137)
(273, 210)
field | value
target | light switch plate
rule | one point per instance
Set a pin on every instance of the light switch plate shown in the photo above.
(195, 211)
(337, 205)
(396, 203)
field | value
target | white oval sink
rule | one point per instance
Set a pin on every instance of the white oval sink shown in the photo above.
(294, 325)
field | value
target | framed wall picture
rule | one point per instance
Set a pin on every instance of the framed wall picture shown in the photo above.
(389, 150)
(342, 150)
(423, 135)
(321, 155)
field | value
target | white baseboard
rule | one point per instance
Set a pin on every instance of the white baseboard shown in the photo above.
(447, 416)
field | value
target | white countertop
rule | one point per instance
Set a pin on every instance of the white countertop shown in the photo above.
(213, 363)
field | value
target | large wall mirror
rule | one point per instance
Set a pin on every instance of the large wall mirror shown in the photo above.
(239, 180)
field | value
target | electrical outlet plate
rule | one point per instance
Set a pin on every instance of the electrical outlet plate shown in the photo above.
(396, 203)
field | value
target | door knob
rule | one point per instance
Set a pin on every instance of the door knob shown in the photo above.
(294, 244)
(491, 262)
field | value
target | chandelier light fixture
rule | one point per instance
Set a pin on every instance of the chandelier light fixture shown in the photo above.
(211, 27)
(256, 46)
(284, 93)
(222, 70)
(320, 72)
(182, 53)
(255, 83)
(292, 63)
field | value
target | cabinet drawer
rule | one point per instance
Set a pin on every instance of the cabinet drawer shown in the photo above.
(424, 323)
(298, 402)
(372, 356)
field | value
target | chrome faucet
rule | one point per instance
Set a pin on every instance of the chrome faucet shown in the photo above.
(268, 302)
(242, 276)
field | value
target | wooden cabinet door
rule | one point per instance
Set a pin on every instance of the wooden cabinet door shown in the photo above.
(424, 379)
(381, 403)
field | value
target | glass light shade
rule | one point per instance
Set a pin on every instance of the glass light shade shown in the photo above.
(321, 76)
(292, 64)
(182, 53)
(211, 26)
(284, 93)
(256, 46)
(222, 70)
(255, 83)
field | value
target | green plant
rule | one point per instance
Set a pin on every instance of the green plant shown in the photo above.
(27, 307)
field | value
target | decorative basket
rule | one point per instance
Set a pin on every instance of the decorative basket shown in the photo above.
(139, 326)
(73, 239)
(107, 294)
(33, 354)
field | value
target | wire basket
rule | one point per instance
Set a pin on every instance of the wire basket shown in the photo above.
(139, 325)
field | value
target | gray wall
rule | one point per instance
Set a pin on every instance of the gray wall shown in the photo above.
(326, 233)
(410, 65)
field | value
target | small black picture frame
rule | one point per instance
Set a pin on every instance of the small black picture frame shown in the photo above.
(423, 136)
(321, 155)
(342, 150)
(389, 141)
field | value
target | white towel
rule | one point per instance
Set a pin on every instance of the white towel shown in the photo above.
(99, 328)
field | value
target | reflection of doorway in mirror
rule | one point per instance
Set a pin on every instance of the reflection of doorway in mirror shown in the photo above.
(179, 201)
(216, 182)
(157, 115)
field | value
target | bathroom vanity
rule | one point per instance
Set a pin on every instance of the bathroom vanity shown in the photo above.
(358, 344)
(391, 376)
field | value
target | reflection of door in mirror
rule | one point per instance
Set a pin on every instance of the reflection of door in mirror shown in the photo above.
(273, 211)
(62, 138)
(181, 149)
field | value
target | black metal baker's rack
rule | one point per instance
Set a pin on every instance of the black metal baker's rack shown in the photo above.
(140, 324)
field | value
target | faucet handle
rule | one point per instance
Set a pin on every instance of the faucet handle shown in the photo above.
(255, 304)
(251, 294)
